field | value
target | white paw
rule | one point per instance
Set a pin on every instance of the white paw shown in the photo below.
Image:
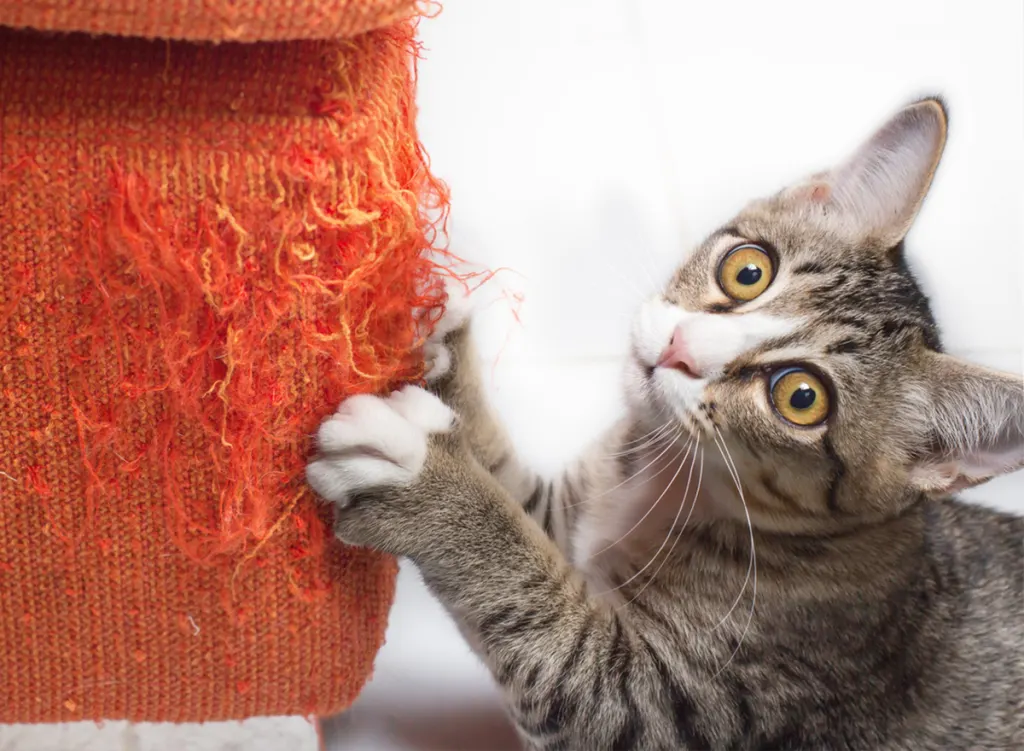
(457, 311)
(373, 442)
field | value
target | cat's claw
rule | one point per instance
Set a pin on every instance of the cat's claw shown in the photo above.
(457, 312)
(375, 442)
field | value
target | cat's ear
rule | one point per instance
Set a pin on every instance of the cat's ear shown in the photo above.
(876, 194)
(974, 423)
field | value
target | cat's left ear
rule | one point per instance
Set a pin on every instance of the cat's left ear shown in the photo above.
(974, 423)
(875, 195)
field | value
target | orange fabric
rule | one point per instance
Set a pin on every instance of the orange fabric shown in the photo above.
(202, 250)
(207, 20)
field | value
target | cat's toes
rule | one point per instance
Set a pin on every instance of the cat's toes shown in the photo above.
(375, 442)
(457, 312)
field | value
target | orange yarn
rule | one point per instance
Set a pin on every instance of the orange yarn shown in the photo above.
(207, 20)
(202, 251)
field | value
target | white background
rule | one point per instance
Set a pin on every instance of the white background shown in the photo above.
(589, 144)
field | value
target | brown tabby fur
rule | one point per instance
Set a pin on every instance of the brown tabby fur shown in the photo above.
(887, 614)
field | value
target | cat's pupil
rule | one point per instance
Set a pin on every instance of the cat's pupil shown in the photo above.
(749, 275)
(803, 397)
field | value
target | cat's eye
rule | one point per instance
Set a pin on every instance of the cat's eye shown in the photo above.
(745, 272)
(799, 397)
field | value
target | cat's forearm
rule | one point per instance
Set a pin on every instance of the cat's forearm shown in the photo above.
(461, 388)
(545, 641)
(572, 665)
(580, 671)
(553, 504)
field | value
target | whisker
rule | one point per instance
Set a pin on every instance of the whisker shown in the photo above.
(674, 522)
(700, 476)
(645, 260)
(603, 493)
(753, 553)
(658, 429)
(609, 546)
(736, 480)
(662, 410)
(640, 294)
(667, 423)
(679, 532)
(659, 434)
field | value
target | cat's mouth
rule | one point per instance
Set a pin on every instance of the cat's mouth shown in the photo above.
(671, 392)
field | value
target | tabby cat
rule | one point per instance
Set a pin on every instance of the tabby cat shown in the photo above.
(766, 552)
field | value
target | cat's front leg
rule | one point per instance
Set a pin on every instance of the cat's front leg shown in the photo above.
(402, 479)
(454, 373)
(577, 672)
(371, 462)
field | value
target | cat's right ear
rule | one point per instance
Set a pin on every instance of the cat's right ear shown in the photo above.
(972, 429)
(874, 196)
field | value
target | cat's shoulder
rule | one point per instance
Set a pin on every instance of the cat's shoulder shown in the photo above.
(976, 519)
(980, 545)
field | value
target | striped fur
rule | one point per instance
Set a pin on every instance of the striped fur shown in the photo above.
(708, 577)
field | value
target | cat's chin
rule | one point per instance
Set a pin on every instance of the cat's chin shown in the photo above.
(654, 394)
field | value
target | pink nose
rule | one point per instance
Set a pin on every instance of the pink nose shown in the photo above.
(677, 355)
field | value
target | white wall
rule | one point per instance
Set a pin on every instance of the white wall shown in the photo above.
(589, 143)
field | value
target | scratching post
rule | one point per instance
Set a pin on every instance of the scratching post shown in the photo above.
(203, 249)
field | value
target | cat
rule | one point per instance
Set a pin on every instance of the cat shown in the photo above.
(766, 551)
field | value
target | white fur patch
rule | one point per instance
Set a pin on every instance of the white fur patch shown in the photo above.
(457, 311)
(714, 340)
(376, 441)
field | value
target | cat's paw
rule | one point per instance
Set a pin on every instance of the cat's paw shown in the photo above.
(375, 442)
(457, 311)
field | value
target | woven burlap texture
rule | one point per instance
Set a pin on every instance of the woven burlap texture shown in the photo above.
(207, 20)
(203, 248)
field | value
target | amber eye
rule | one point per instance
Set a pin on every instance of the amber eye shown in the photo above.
(745, 272)
(799, 396)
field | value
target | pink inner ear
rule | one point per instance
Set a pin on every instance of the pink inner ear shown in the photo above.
(820, 192)
(954, 476)
(812, 192)
(943, 479)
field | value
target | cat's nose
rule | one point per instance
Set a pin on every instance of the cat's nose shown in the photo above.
(678, 356)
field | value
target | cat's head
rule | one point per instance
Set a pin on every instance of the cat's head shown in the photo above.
(798, 336)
